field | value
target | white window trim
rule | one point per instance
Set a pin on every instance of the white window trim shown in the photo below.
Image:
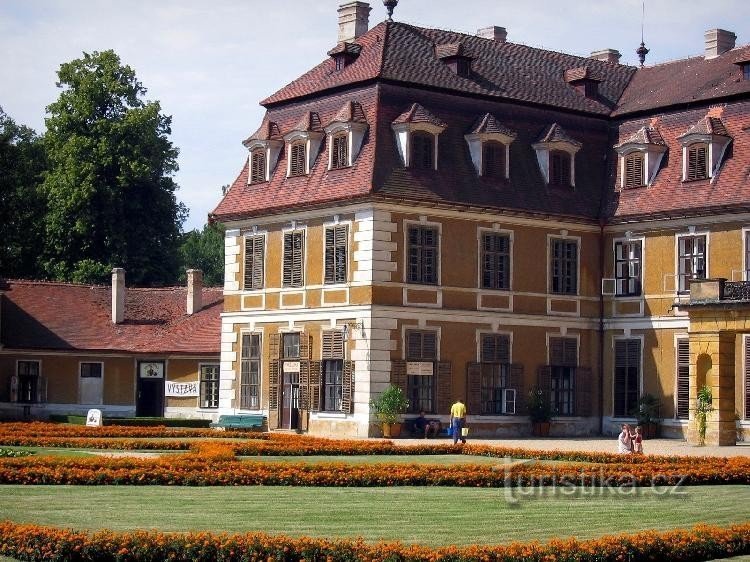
(238, 390)
(676, 270)
(642, 240)
(404, 131)
(200, 368)
(482, 332)
(552, 335)
(252, 234)
(653, 154)
(745, 264)
(290, 229)
(717, 147)
(17, 375)
(420, 328)
(349, 245)
(312, 141)
(624, 337)
(439, 226)
(563, 236)
(272, 150)
(746, 413)
(476, 142)
(543, 150)
(481, 231)
(355, 134)
(101, 398)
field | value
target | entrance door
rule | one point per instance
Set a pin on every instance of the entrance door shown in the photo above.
(290, 402)
(150, 389)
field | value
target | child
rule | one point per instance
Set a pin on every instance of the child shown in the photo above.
(638, 441)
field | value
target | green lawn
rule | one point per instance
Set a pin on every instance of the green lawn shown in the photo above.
(430, 515)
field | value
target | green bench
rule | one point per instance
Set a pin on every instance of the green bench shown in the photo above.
(245, 421)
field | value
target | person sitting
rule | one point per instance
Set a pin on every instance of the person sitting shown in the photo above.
(623, 440)
(423, 426)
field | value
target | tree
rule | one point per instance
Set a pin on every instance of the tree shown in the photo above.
(204, 250)
(110, 192)
(22, 206)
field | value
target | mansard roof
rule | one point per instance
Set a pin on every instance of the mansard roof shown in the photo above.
(350, 112)
(309, 122)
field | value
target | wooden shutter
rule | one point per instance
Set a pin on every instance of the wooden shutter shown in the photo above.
(258, 166)
(254, 258)
(747, 377)
(297, 161)
(582, 389)
(398, 375)
(339, 156)
(495, 348)
(294, 251)
(444, 387)
(683, 378)
(559, 168)
(288, 258)
(413, 345)
(544, 379)
(620, 379)
(314, 381)
(347, 389)
(474, 387)
(515, 381)
(273, 381)
(333, 344)
(429, 345)
(305, 346)
(634, 170)
(563, 352)
(697, 162)
(304, 394)
(336, 243)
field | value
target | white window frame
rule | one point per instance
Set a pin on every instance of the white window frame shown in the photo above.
(404, 131)
(252, 234)
(626, 240)
(17, 377)
(349, 245)
(286, 230)
(251, 332)
(481, 231)
(439, 226)
(676, 350)
(200, 382)
(678, 236)
(548, 265)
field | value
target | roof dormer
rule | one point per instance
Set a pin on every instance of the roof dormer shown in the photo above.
(640, 157)
(489, 146)
(346, 131)
(455, 57)
(264, 147)
(703, 148)
(417, 132)
(555, 152)
(584, 81)
(303, 144)
(344, 54)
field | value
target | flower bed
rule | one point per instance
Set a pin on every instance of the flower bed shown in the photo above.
(43, 429)
(35, 543)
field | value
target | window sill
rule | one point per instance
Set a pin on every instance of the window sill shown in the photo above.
(331, 415)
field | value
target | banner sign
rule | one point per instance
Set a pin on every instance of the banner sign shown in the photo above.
(419, 368)
(181, 389)
(291, 366)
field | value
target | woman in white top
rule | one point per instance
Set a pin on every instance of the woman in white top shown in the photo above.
(623, 440)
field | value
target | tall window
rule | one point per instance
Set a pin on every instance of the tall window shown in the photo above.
(294, 256)
(297, 155)
(340, 151)
(628, 268)
(495, 375)
(210, 386)
(421, 347)
(697, 162)
(691, 260)
(290, 345)
(683, 379)
(249, 373)
(28, 380)
(254, 260)
(493, 159)
(564, 266)
(627, 376)
(421, 150)
(559, 168)
(634, 168)
(423, 255)
(336, 243)
(333, 370)
(90, 386)
(258, 166)
(495, 261)
(563, 361)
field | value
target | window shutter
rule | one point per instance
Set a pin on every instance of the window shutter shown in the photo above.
(347, 388)
(444, 387)
(429, 346)
(570, 352)
(413, 345)
(274, 342)
(257, 166)
(398, 375)
(339, 156)
(330, 257)
(683, 378)
(254, 258)
(304, 394)
(316, 368)
(621, 365)
(336, 243)
(747, 377)
(288, 258)
(273, 395)
(562, 352)
(421, 152)
(634, 170)
(544, 379)
(333, 344)
(697, 162)
(493, 159)
(305, 346)
(474, 384)
(297, 162)
(294, 247)
(582, 390)
(516, 382)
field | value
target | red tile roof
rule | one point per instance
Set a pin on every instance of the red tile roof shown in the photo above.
(707, 126)
(350, 112)
(555, 133)
(644, 135)
(418, 114)
(69, 317)
(488, 123)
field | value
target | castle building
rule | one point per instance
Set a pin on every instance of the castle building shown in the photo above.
(463, 216)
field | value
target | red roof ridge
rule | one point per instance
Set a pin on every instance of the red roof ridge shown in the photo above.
(418, 114)
(488, 123)
(350, 112)
(310, 121)
(555, 133)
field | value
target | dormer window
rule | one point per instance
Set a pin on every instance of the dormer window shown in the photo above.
(265, 147)
(417, 131)
(746, 71)
(555, 153)
(489, 146)
(703, 148)
(346, 132)
(584, 81)
(455, 57)
(344, 54)
(303, 145)
(640, 157)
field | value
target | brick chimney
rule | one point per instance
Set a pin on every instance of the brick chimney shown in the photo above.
(718, 42)
(118, 295)
(353, 20)
(194, 290)
(497, 34)
(606, 55)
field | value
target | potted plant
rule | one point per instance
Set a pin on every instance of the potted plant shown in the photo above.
(647, 414)
(540, 412)
(387, 407)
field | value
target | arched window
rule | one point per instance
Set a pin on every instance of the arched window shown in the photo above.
(697, 161)
(493, 159)
(258, 166)
(297, 155)
(634, 168)
(340, 151)
(559, 168)
(421, 150)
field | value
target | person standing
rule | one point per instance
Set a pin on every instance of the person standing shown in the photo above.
(458, 418)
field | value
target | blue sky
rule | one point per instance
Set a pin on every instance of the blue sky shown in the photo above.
(209, 63)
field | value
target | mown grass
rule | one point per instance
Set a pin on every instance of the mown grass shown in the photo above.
(429, 515)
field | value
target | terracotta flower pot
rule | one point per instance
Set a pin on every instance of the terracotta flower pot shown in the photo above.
(540, 429)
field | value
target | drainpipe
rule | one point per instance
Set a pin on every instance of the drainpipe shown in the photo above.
(601, 330)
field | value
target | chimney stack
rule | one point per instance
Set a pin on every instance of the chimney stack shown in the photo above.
(718, 42)
(497, 34)
(607, 55)
(353, 20)
(194, 290)
(118, 295)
